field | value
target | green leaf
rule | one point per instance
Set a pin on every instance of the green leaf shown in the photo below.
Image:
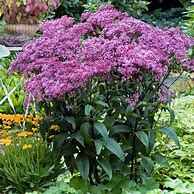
(68, 150)
(150, 184)
(106, 166)
(99, 145)
(171, 112)
(84, 129)
(100, 102)
(109, 121)
(79, 138)
(171, 134)
(172, 115)
(72, 121)
(88, 109)
(82, 163)
(79, 184)
(142, 136)
(151, 138)
(149, 96)
(115, 148)
(59, 139)
(45, 125)
(101, 128)
(160, 159)
(148, 164)
(120, 129)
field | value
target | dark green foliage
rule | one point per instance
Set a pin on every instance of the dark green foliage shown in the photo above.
(174, 176)
(101, 133)
(166, 4)
(74, 8)
(164, 19)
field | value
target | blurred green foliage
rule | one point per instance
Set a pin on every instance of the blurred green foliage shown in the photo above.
(10, 82)
(180, 160)
(164, 19)
(74, 8)
(1, 26)
(188, 25)
(134, 8)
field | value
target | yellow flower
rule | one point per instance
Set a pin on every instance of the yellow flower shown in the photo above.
(51, 136)
(6, 141)
(34, 129)
(29, 120)
(37, 118)
(35, 123)
(4, 133)
(54, 127)
(7, 122)
(7, 127)
(30, 115)
(24, 134)
(26, 146)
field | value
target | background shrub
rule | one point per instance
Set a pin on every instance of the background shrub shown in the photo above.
(164, 19)
(188, 25)
(75, 8)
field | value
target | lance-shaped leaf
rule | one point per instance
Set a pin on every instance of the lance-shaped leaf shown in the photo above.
(142, 136)
(101, 128)
(170, 133)
(115, 148)
(82, 163)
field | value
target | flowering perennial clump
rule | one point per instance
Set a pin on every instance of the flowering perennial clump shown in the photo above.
(10, 126)
(68, 55)
(7, 121)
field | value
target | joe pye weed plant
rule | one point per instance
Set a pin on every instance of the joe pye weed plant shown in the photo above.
(102, 81)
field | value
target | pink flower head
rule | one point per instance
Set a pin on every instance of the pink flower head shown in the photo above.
(68, 55)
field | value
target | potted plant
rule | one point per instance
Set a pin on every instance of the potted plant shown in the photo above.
(22, 16)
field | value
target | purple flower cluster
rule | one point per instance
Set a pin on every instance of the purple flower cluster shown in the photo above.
(67, 55)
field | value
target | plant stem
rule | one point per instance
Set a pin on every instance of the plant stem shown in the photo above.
(96, 174)
(133, 160)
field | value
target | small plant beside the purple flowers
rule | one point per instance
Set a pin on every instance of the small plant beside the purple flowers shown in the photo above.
(103, 81)
(26, 11)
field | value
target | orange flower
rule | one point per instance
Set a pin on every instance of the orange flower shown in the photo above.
(24, 134)
(26, 146)
(6, 141)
